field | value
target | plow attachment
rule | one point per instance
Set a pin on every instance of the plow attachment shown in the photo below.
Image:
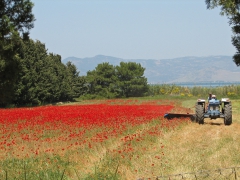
(170, 116)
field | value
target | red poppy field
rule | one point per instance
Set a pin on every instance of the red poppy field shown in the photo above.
(81, 141)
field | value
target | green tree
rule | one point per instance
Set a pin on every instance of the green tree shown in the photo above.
(71, 82)
(82, 85)
(16, 16)
(131, 81)
(102, 81)
(50, 79)
(9, 67)
(230, 8)
(44, 78)
(33, 65)
(16, 19)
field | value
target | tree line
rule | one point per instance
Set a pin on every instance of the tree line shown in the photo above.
(31, 75)
(38, 77)
(41, 77)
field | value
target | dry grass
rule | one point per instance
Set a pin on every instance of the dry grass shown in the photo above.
(197, 147)
(190, 148)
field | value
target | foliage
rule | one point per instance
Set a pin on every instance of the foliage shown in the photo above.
(16, 19)
(102, 81)
(169, 89)
(230, 8)
(108, 81)
(9, 67)
(131, 81)
(231, 91)
(28, 74)
(44, 78)
(16, 16)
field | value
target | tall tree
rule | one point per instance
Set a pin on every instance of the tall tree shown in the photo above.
(71, 82)
(34, 68)
(9, 67)
(230, 8)
(16, 19)
(44, 78)
(102, 81)
(131, 79)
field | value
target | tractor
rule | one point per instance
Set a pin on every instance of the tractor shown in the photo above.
(214, 109)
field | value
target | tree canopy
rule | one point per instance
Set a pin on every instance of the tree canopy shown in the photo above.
(44, 78)
(131, 80)
(125, 80)
(16, 19)
(102, 81)
(230, 8)
(16, 16)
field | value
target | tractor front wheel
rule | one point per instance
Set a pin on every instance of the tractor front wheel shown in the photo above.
(200, 113)
(228, 114)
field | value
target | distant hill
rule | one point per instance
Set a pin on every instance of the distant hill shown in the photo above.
(184, 69)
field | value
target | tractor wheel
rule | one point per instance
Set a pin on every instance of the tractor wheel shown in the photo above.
(228, 114)
(199, 113)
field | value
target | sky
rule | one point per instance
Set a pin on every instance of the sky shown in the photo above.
(131, 29)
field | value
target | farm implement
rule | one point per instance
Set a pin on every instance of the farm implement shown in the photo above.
(170, 116)
(213, 109)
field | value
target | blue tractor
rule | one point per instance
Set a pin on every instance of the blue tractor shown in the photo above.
(215, 109)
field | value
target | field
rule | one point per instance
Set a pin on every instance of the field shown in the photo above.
(113, 139)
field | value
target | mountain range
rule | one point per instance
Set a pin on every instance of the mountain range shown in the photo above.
(177, 70)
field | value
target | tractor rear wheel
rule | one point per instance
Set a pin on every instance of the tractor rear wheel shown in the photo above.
(228, 114)
(200, 113)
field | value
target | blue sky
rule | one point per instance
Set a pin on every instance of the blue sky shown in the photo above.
(131, 29)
